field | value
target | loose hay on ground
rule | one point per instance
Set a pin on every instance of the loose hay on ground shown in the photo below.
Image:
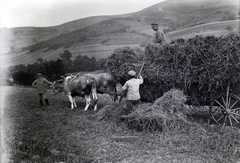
(111, 112)
(165, 113)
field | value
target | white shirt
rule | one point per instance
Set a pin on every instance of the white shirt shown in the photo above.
(132, 87)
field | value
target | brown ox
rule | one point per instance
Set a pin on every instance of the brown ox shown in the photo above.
(83, 86)
(105, 84)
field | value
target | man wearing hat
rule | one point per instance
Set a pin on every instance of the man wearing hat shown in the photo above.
(132, 89)
(158, 37)
(40, 84)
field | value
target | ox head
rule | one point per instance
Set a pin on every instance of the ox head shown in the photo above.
(57, 87)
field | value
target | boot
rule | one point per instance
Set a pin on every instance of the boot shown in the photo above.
(47, 101)
(41, 102)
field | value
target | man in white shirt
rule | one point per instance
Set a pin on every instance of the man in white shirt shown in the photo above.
(132, 89)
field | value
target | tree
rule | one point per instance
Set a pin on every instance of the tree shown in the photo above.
(67, 62)
(84, 63)
(66, 55)
(101, 64)
(17, 68)
(23, 78)
(40, 61)
(54, 69)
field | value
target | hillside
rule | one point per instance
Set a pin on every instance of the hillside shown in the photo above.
(213, 28)
(25, 36)
(174, 14)
(99, 36)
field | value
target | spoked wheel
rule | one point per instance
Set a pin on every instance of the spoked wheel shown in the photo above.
(225, 109)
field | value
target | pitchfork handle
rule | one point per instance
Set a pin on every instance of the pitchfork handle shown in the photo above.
(140, 69)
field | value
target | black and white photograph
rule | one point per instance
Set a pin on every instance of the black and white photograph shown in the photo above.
(119, 81)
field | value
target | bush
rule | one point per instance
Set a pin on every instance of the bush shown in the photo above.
(23, 78)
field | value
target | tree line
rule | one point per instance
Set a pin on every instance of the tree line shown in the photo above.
(53, 69)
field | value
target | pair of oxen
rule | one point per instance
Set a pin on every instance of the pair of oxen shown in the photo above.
(86, 86)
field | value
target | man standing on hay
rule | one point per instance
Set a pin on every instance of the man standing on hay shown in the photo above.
(131, 87)
(40, 84)
(159, 37)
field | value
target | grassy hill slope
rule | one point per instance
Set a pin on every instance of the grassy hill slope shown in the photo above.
(25, 36)
(174, 14)
(99, 36)
(213, 28)
(102, 46)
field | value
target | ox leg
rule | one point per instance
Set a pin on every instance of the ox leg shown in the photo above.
(113, 96)
(88, 100)
(71, 100)
(74, 102)
(95, 98)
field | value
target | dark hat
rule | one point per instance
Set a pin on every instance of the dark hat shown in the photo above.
(154, 24)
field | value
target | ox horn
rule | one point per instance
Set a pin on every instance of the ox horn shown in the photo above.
(55, 90)
(60, 80)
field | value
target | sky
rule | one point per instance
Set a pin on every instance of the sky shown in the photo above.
(42, 13)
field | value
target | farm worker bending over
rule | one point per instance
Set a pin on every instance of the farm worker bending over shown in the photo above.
(40, 84)
(132, 89)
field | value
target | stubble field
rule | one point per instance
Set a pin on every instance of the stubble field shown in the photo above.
(57, 134)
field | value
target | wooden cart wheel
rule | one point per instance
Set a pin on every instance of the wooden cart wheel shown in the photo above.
(225, 109)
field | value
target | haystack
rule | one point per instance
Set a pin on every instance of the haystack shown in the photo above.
(166, 113)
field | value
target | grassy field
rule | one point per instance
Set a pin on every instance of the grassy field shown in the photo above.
(57, 134)
(214, 28)
(95, 50)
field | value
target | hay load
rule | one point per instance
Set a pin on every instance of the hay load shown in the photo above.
(208, 62)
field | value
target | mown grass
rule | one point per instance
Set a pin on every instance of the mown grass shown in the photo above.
(41, 134)
(57, 134)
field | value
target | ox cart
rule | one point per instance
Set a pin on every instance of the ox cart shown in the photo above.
(207, 68)
(223, 102)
